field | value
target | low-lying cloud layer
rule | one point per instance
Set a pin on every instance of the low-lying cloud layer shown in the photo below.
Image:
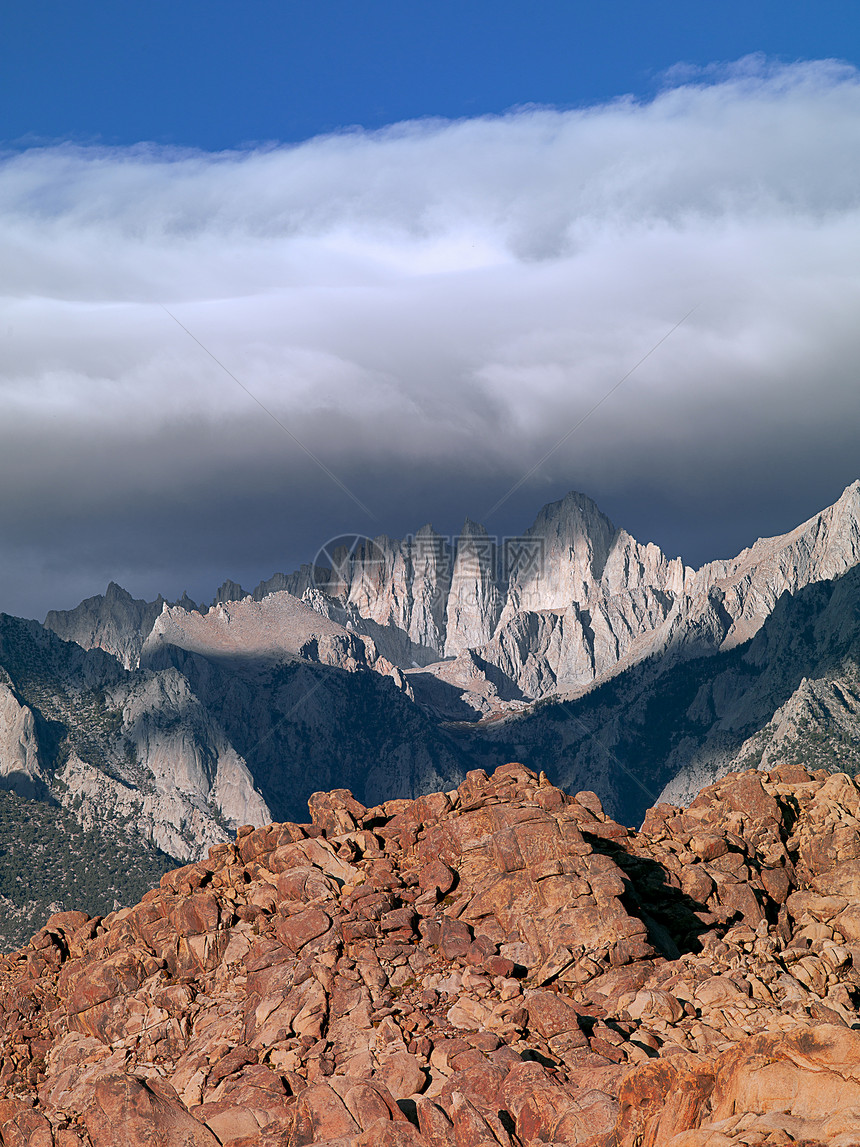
(428, 310)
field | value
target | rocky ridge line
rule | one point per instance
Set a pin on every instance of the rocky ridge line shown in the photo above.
(113, 621)
(496, 966)
(579, 601)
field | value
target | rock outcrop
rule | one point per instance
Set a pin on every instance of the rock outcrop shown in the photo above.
(237, 713)
(300, 725)
(473, 629)
(20, 769)
(496, 965)
(114, 621)
(277, 628)
(575, 600)
(575, 649)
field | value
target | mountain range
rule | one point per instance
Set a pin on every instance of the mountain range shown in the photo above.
(395, 666)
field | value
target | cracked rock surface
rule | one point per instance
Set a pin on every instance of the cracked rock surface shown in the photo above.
(496, 966)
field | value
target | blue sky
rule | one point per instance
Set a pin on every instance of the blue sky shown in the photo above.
(429, 240)
(219, 74)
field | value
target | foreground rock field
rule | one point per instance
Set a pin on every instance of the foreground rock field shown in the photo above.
(498, 966)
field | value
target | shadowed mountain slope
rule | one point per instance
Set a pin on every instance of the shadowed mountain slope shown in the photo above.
(677, 727)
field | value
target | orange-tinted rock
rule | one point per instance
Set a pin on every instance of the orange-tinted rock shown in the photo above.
(390, 1135)
(68, 922)
(336, 812)
(812, 1073)
(103, 980)
(552, 1015)
(196, 914)
(22, 1126)
(300, 929)
(537, 1102)
(436, 875)
(129, 1112)
(660, 1100)
(504, 963)
(747, 795)
(402, 1074)
(304, 883)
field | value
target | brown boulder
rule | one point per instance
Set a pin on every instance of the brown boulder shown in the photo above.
(368, 1101)
(336, 812)
(131, 1112)
(660, 1100)
(455, 938)
(196, 914)
(100, 980)
(277, 993)
(841, 880)
(321, 1114)
(741, 899)
(436, 875)
(538, 1103)
(390, 1135)
(402, 1074)
(746, 795)
(437, 1129)
(67, 922)
(22, 1126)
(552, 1015)
(305, 883)
(296, 931)
(810, 1073)
(471, 1129)
(344, 1107)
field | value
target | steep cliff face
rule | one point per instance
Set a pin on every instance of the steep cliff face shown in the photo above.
(575, 600)
(555, 608)
(819, 549)
(134, 749)
(792, 695)
(604, 601)
(238, 713)
(298, 724)
(474, 600)
(394, 591)
(20, 770)
(196, 785)
(573, 605)
(666, 727)
(573, 553)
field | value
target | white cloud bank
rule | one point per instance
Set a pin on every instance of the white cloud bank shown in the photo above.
(428, 308)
